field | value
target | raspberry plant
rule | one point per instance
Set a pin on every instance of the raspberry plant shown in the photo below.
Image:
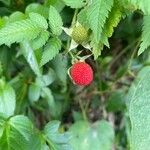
(95, 42)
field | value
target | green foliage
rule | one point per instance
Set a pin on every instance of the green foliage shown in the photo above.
(7, 99)
(35, 61)
(144, 5)
(16, 133)
(145, 35)
(138, 109)
(97, 136)
(51, 50)
(97, 14)
(55, 21)
(74, 4)
(57, 140)
(18, 32)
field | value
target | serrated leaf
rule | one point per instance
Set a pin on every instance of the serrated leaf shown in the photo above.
(145, 35)
(7, 99)
(112, 22)
(55, 21)
(98, 136)
(96, 48)
(40, 41)
(29, 54)
(58, 4)
(82, 18)
(74, 3)
(18, 32)
(51, 49)
(16, 134)
(16, 16)
(138, 106)
(37, 8)
(97, 14)
(39, 20)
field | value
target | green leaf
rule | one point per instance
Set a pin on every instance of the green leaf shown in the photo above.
(98, 136)
(145, 35)
(7, 99)
(47, 94)
(37, 8)
(46, 79)
(39, 20)
(74, 3)
(58, 141)
(40, 40)
(16, 16)
(112, 22)
(82, 18)
(3, 118)
(60, 65)
(55, 21)
(138, 106)
(29, 54)
(34, 92)
(144, 5)
(16, 134)
(51, 49)
(96, 48)
(58, 4)
(97, 13)
(18, 32)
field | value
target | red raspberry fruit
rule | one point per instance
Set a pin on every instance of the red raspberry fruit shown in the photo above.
(81, 73)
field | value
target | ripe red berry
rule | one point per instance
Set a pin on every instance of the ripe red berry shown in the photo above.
(81, 73)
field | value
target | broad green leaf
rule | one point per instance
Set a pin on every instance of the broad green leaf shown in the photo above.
(7, 99)
(37, 8)
(40, 40)
(97, 13)
(55, 21)
(51, 49)
(29, 54)
(18, 32)
(16, 16)
(145, 35)
(82, 18)
(138, 107)
(16, 134)
(58, 141)
(39, 20)
(58, 4)
(34, 92)
(46, 79)
(74, 3)
(98, 136)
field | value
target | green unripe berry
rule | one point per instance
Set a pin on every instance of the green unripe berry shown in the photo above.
(79, 34)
